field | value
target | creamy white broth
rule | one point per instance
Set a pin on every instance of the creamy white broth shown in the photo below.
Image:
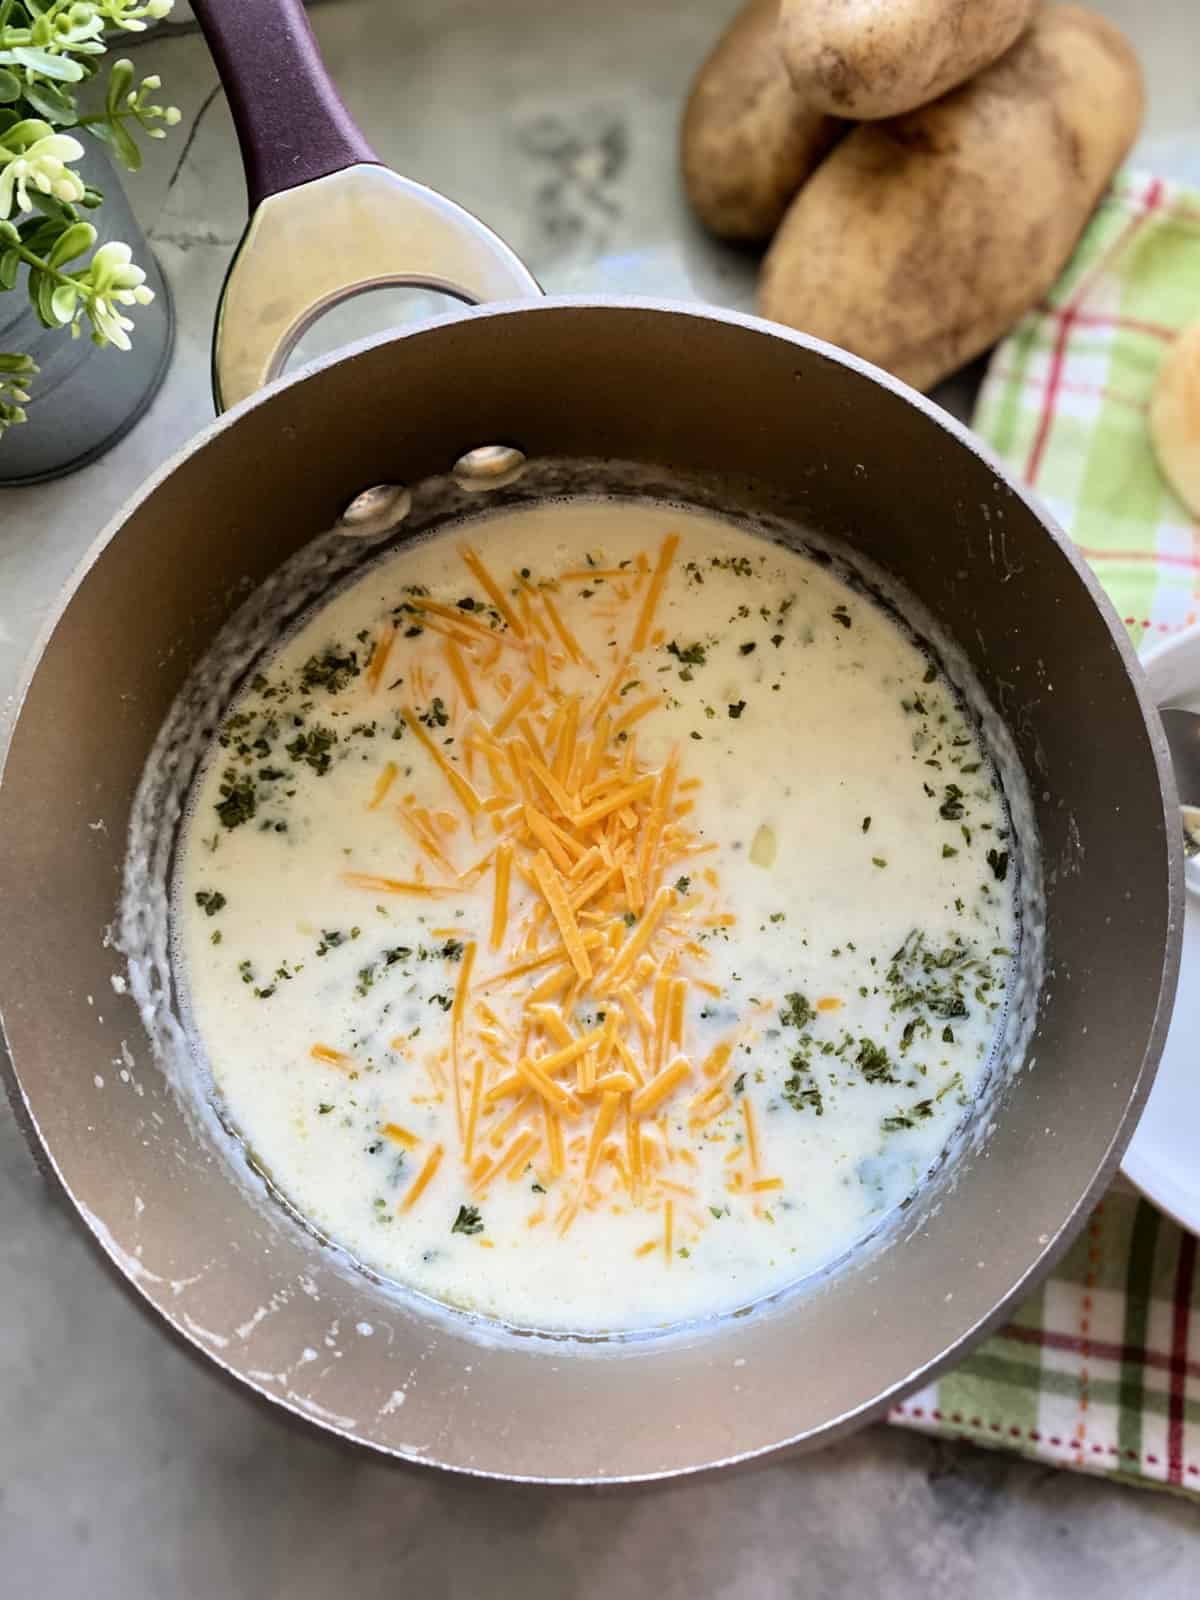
(833, 909)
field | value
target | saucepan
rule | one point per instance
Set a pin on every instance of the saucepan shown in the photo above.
(730, 410)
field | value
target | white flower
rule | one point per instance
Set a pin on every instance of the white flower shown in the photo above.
(110, 326)
(125, 14)
(112, 281)
(112, 267)
(41, 163)
(77, 24)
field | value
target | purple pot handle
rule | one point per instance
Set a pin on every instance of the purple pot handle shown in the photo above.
(291, 123)
(327, 219)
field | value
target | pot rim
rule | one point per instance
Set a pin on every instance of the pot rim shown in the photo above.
(1109, 1163)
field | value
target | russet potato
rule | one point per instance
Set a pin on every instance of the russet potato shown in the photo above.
(877, 58)
(749, 139)
(922, 239)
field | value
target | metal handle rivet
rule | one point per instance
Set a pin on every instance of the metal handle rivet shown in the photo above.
(375, 511)
(490, 466)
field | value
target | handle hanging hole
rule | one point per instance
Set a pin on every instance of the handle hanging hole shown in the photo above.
(365, 315)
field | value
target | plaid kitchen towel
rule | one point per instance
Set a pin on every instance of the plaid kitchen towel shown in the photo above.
(1066, 398)
(1100, 1369)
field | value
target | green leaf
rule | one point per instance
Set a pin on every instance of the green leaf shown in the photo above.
(26, 132)
(116, 135)
(41, 294)
(39, 234)
(72, 242)
(61, 68)
(126, 147)
(51, 206)
(56, 105)
(10, 86)
(63, 302)
(120, 81)
(10, 263)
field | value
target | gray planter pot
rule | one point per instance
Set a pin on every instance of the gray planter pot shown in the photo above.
(84, 399)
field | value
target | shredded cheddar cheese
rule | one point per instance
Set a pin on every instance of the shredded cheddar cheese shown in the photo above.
(560, 908)
(458, 667)
(651, 1096)
(583, 914)
(504, 857)
(383, 783)
(331, 1057)
(454, 778)
(521, 699)
(494, 593)
(569, 643)
(666, 555)
(401, 1136)
(423, 1178)
(380, 654)
(379, 885)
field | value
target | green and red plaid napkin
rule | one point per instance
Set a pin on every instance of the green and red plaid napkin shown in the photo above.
(1100, 1369)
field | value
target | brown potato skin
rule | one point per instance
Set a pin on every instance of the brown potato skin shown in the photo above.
(921, 240)
(748, 139)
(867, 59)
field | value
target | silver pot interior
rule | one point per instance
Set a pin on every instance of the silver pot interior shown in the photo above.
(721, 411)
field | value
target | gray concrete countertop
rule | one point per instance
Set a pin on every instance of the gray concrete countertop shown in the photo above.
(127, 1471)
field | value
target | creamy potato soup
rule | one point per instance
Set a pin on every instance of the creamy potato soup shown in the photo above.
(596, 916)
